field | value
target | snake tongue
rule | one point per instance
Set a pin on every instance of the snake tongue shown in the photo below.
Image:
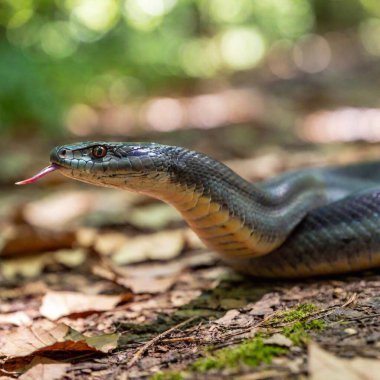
(39, 175)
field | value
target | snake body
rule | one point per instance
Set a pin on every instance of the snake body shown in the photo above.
(310, 222)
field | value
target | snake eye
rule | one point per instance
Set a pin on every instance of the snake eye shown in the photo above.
(62, 153)
(99, 151)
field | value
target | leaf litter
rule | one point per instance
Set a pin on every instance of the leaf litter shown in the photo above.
(55, 305)
(119, 285)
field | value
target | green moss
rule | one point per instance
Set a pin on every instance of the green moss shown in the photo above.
(254, 352)
(167, 376)
(251, 353)
(299, 312)
(298, 333)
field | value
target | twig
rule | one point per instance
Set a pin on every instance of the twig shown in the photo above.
(139, 353)
(350, 300)
(363, 317)
(91, 366)
(180, 339)
(252, 329)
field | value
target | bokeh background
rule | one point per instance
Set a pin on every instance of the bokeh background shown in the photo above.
(223, 76)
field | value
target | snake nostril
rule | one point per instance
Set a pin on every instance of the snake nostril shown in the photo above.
(63, 152)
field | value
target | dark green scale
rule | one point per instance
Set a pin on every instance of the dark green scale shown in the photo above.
(339, 237)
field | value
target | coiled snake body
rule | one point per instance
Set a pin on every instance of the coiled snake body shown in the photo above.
(303, 223)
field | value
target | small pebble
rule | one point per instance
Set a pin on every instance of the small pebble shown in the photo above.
(350, 331)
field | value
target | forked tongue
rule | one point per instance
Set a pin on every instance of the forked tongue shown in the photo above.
(39, 175)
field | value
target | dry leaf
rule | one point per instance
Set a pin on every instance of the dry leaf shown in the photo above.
(58, 304)
(58, 210)
(47, 337)
(159, 246)
(227, 318)
(148, 284)
(24, 239)
(18, 318)
(31, 289)
(65, 207)
(155, 216)
(70, 257)
(45, 369)
(323, 366)
(265, 305)
(279, 340)
(108, 243)
(152, 278)
(183, 297)
(32, 266)
(86, 236)
(149, 279)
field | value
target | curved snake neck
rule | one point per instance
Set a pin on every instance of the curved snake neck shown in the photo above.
(282, 220)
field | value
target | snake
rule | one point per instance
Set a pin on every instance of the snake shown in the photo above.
(309, 222)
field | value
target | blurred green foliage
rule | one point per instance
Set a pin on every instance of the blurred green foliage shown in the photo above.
(58, 53)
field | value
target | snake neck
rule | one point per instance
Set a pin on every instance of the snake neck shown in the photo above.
(231, 215)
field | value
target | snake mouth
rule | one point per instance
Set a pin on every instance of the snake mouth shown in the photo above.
(42, 173)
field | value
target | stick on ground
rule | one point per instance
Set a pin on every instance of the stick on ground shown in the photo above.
(139, 353)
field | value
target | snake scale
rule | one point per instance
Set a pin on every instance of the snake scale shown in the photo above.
(303, 223)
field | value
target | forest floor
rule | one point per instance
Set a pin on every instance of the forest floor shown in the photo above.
(101, 284)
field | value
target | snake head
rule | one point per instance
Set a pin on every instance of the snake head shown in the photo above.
(141, 167)
(121, 165)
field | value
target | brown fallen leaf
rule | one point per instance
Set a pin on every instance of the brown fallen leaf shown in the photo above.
(44, 337)
(159, 246)
(264, 306)
(86, 236)
(58, 304)
(31, 266)
(45, 369)
(141, 280)
(152, 278)
(323, 366)
(31, 289)
(24, 239)
(70, 257)
(109, 243)
(155, 216)
(65, 208)
(56, 211)
(227, 318)
(148, 284)
(183, 297)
